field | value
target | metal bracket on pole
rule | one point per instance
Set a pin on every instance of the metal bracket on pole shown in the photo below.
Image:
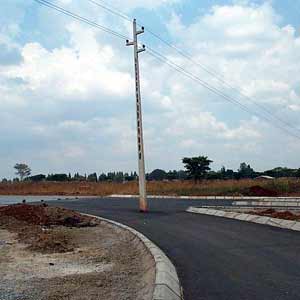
(142, 49)
(140, 139)
(140, 31)
(128, 43)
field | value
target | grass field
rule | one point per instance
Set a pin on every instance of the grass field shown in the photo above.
(282, 187)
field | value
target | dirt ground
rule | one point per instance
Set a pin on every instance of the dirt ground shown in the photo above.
(275, 213)
(52, 253)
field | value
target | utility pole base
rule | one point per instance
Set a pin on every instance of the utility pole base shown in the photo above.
(143, 206)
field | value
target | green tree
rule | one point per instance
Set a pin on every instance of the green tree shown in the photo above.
(23, 171)
(119, 177)
(181, 175)
(172, 175)
(102, 177)
(92, 177)
(157, 174)
(196, 167)
(245, 171)
(57, 177)
(36, 178)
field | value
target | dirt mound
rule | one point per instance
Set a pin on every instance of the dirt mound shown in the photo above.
(45, 216)
(286, 215)
(44, 229)
(258, 191)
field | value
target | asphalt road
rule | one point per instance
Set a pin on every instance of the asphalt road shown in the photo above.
(216, 258)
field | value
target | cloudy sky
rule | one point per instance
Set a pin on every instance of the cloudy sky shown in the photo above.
(67, 89)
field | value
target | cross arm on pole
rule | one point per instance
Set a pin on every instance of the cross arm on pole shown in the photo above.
(128, 43)
(140, 31)
(142, 49)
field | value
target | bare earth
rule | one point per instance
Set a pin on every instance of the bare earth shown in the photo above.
(277, 213)
(93, 261)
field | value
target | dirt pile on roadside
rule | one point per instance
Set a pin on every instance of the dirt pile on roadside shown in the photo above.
(44, 229)
(258, 191)
(286, 215)
(45, 216)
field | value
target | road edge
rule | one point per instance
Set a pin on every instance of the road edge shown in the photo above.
(296, 199)
(281, 223)
(167, 285)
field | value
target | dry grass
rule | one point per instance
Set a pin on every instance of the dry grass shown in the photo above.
(67, 188)
(283, 186)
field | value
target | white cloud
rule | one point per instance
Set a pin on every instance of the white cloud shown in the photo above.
(294, 107)
(80, 71)
(248, 46)
(73, 105)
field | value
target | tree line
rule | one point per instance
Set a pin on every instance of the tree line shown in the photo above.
(195, 168)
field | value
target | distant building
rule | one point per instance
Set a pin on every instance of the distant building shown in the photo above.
(264, 177)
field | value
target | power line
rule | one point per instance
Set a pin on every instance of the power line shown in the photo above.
(194, 77)
(219, 77)
(186, 73)
(117, 12)
(82, 19)
(157, 55)
(111, 10)
(215, 91)
(187, 56)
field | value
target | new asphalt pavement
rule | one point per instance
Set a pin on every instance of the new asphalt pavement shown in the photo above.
(216, 258)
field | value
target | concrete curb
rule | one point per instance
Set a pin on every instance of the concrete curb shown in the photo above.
(285, 224)
(269, 203)
(247, 208)
(293, 199)
(167, 285)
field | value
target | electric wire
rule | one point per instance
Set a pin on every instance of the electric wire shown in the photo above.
(207, 69)
(82, 19)
(111, 10)
(196, 78)
(220, 79)
(186, 73)
(159, 56)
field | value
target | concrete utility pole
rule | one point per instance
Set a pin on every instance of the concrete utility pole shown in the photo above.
(140, 141)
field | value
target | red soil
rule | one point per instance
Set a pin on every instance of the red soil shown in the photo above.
(43, 228)
(259, 191)
(44, 215)
(286, 215)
